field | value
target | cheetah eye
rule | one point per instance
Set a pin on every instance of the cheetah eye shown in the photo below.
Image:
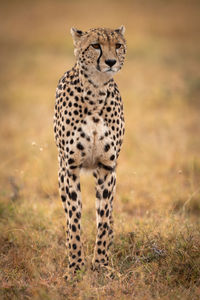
(118, 46)
(96, 46)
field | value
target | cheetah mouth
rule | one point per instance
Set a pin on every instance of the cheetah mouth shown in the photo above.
(114, 69)
(107, 70)
(111, 70)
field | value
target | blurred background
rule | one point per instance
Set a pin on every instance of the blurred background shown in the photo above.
(159, 166)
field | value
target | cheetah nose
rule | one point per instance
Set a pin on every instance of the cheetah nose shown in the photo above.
(110, 62)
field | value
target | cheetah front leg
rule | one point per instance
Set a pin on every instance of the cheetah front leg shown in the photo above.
(62, 190)
(71, 199)
(105, 190)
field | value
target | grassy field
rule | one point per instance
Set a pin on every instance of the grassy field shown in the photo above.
(156, 251)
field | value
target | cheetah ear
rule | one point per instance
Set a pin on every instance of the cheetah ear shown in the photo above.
(76, 34)
(120, 30)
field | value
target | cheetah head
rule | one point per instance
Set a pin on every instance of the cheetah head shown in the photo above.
(100, 50)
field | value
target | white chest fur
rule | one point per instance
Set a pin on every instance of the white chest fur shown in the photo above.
(95, 132)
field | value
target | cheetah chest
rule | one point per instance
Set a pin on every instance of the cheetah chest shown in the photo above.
(93, 137)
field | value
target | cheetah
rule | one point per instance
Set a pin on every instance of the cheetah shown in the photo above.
(89, 130)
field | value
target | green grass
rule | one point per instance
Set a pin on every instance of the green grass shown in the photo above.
(155, 254)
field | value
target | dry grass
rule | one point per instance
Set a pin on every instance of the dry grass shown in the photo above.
(157, 240)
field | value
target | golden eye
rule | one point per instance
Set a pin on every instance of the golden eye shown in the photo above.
(118, 46)
(96, 46)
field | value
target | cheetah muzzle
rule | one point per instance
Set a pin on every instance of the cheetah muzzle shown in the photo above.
(89, 130)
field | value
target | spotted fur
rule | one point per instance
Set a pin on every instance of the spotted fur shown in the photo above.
(89, 129)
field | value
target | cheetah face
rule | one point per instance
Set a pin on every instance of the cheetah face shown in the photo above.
(100, 50)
